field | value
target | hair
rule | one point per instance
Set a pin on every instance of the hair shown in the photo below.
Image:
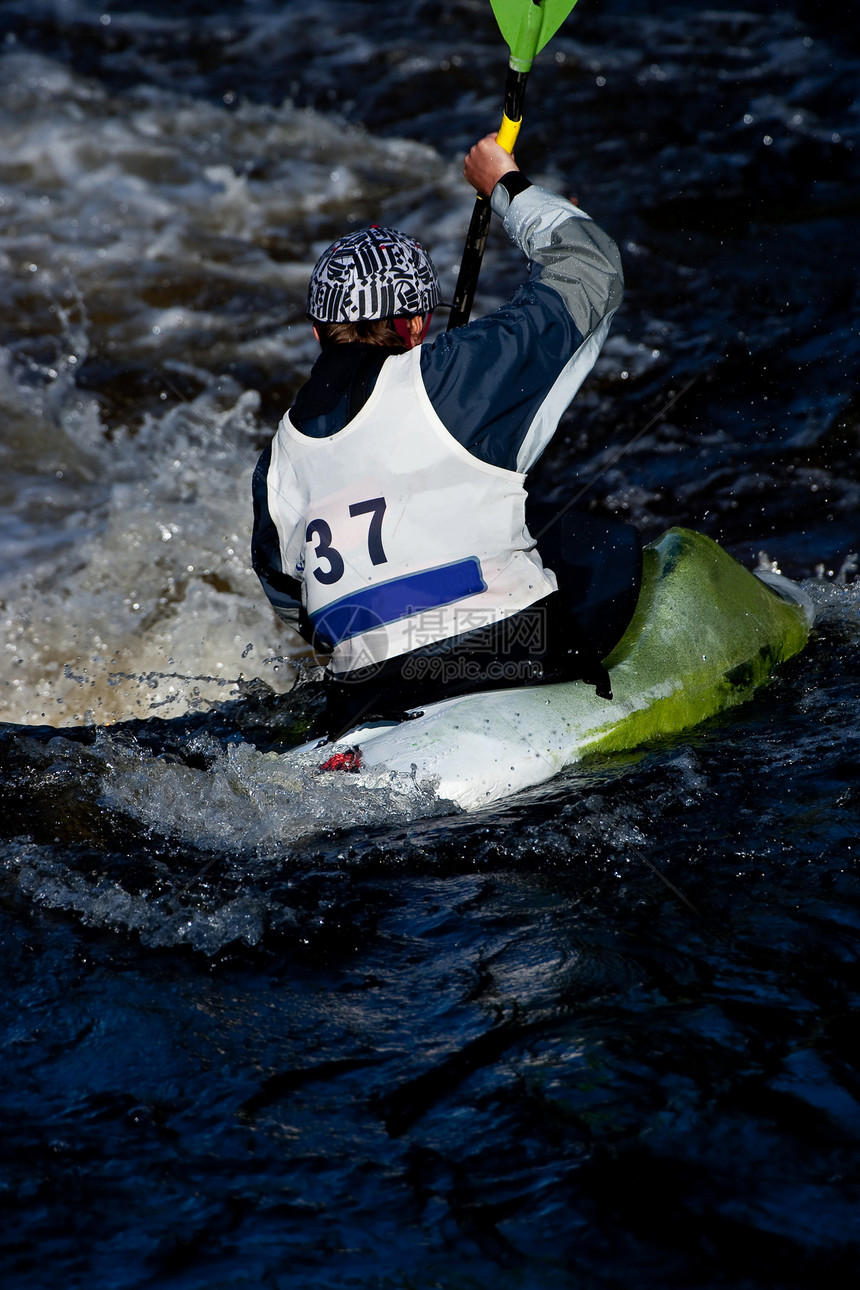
(371, 331)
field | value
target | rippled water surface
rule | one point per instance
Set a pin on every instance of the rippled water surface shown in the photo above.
(262, 1028)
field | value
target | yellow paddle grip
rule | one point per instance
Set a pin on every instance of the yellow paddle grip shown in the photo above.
(508, 132)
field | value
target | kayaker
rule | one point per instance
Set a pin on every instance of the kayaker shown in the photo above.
(390, 510)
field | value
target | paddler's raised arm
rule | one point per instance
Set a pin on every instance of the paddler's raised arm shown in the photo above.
(501, 383)
(569, 252)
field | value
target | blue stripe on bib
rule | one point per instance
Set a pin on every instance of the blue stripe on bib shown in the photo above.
(389, 602)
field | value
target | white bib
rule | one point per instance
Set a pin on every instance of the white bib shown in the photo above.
(399, 536)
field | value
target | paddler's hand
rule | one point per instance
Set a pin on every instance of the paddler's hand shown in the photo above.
(485, 165)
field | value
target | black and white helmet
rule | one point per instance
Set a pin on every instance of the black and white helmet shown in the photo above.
(376, 273)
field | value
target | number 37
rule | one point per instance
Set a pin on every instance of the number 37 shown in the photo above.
(319, 529)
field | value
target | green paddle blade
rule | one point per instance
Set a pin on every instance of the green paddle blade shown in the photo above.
(527, 25)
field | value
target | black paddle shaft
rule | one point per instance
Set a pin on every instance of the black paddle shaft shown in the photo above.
(476, 239)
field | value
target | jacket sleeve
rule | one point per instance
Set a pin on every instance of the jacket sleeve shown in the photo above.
(284, 592)
(501, 384)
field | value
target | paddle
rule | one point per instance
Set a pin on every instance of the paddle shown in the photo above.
(526, 25)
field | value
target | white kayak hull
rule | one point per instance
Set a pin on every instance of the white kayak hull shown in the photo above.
(706, 633)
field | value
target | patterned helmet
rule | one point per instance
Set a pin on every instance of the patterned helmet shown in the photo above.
(376, 273)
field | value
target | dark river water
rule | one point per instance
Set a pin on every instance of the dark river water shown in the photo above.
(263, 1031)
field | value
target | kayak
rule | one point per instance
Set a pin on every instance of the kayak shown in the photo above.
(706, 633)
